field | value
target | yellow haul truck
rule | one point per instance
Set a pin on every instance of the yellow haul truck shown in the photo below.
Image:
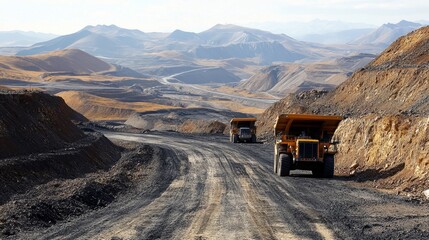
(242, 130)
(305, 142)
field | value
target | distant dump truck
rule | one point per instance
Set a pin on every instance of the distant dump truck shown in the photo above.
(242, 130)
(305, 142)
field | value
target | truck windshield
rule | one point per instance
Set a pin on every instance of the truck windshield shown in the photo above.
(245, 131)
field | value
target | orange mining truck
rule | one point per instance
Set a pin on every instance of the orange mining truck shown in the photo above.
(305, 142)
(242, 130)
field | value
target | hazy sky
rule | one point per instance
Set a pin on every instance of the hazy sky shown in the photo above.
(68, 16)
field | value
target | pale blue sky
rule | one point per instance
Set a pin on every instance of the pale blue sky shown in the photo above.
(64, 16)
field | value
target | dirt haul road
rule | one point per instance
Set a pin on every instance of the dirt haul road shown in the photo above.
(218, 190)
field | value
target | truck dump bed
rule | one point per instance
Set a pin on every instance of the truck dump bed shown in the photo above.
(310, 125)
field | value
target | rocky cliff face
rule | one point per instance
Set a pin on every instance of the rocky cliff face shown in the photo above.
(394, 148)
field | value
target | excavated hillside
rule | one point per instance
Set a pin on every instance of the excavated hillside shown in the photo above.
(385, 138)
(33, 122)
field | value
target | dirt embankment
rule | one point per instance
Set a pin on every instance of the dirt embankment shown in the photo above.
(201, 126)
(98, 108)
(65, 198)
(90, 154)
(32, 122)
(190, 120)
(40, 149)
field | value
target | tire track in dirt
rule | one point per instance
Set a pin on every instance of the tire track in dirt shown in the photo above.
(219, 190)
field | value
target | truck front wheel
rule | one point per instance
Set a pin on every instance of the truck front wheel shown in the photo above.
(284, 165)
(328, 166)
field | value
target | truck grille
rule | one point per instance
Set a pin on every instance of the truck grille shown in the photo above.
(308, 149)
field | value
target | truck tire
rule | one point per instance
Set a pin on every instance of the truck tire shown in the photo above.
(235, 138)
(284, 165)
(275, 164)
(253, 139)
(328, 166)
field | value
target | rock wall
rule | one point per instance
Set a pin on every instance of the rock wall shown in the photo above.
(394, 147)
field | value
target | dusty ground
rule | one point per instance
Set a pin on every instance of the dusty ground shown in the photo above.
(203, 187)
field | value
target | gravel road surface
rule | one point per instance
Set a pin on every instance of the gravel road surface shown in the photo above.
(213, 189)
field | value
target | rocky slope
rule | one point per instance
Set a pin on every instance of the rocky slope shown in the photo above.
(388, 151)
(395, 82)
(384, 140)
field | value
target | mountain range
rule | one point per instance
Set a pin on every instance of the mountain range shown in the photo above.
(382, 36)
(237, 49)
(22, 38)
(298, 30)
(387, 33)
(219, 42)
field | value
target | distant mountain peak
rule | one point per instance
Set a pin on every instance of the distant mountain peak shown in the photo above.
(110, 29)
(387, 33)
(180, 35)
(101, 27)
(226, 27)
(403, 24)
(407, 23)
